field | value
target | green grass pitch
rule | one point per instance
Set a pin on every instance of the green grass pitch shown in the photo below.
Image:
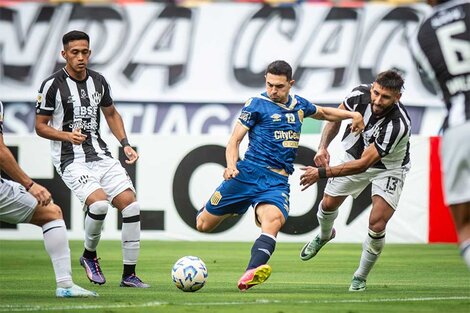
(407, 278)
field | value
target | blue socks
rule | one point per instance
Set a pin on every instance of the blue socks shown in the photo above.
(262, 250)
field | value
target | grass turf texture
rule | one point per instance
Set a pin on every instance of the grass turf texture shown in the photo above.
(407, 278)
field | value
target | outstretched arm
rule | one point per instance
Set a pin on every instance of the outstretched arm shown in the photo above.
(336, 115)
(115, 123)
(233, 149)
(369, 157)
(11, 167)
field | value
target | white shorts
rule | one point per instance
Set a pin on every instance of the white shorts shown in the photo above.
(455, 151)
(16, 204)
(107, 174)
(387, 184)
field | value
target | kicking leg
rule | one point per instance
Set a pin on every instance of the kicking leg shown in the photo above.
(258, 271)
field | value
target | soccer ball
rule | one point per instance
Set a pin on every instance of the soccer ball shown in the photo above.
(189, 273)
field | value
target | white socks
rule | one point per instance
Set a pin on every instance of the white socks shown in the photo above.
(57, 246)
(465, 252)
(94, 223)
(130, 233)
(371, 249)
(326, 220)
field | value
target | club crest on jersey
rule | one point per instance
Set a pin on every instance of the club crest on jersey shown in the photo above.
(276, 117)
(216, 197)
(96, 98)
(83, 179)
(83, 94)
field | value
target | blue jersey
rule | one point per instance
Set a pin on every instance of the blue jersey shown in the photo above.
(274, 130)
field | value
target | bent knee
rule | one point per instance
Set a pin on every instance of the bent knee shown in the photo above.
(55, 211)
(45, 214)
(203, 226)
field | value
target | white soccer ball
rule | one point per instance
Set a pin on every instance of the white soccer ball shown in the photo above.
(189, 273)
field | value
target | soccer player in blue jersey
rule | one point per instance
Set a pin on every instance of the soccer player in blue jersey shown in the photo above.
(273, 121)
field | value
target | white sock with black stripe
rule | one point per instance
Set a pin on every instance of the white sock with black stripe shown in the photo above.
(371, 249)
(57, 246)
(326, 219)
(94, 223)
(130, 234)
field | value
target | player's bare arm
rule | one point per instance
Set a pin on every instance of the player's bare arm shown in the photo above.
(369, 157)
(331, 129)
(335, 115)
(9, 165)
(232, 151)
(44, 130)
(115, 123)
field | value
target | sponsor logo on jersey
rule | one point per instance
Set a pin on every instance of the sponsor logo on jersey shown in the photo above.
(290, 144)
(276, 117)
(216, 197)
(287, 135)
(38, 100)
(372, 133)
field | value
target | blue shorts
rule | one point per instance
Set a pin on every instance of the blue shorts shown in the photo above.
(253, 185)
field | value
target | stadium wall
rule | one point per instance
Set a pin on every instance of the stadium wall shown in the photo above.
(180, 75)
(172, 184)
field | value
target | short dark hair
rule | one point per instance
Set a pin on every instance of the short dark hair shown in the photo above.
(75, 35)
(390, 80)
(280, 67)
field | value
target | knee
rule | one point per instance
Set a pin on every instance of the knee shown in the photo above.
(328, 203)
(202, 226)
(56, 212)
(98, 208)
(46, 214)
(377, 225)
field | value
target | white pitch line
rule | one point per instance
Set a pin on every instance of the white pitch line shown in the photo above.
(32, 308)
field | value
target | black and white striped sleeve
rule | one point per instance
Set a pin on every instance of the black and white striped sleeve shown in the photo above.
(107, 99)
(45, 104)
(1, 117)
(355, 97)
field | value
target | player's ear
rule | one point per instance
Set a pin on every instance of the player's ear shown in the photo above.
(292, 82)
(63, 55)
(398, 97)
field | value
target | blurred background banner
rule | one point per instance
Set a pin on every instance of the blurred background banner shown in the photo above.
(180, 73)
(161, 54)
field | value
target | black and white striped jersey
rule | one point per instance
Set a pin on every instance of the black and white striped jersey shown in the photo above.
(75, 104)
(390, 134)
(1, 125)
(442, 48)
(1, 117)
